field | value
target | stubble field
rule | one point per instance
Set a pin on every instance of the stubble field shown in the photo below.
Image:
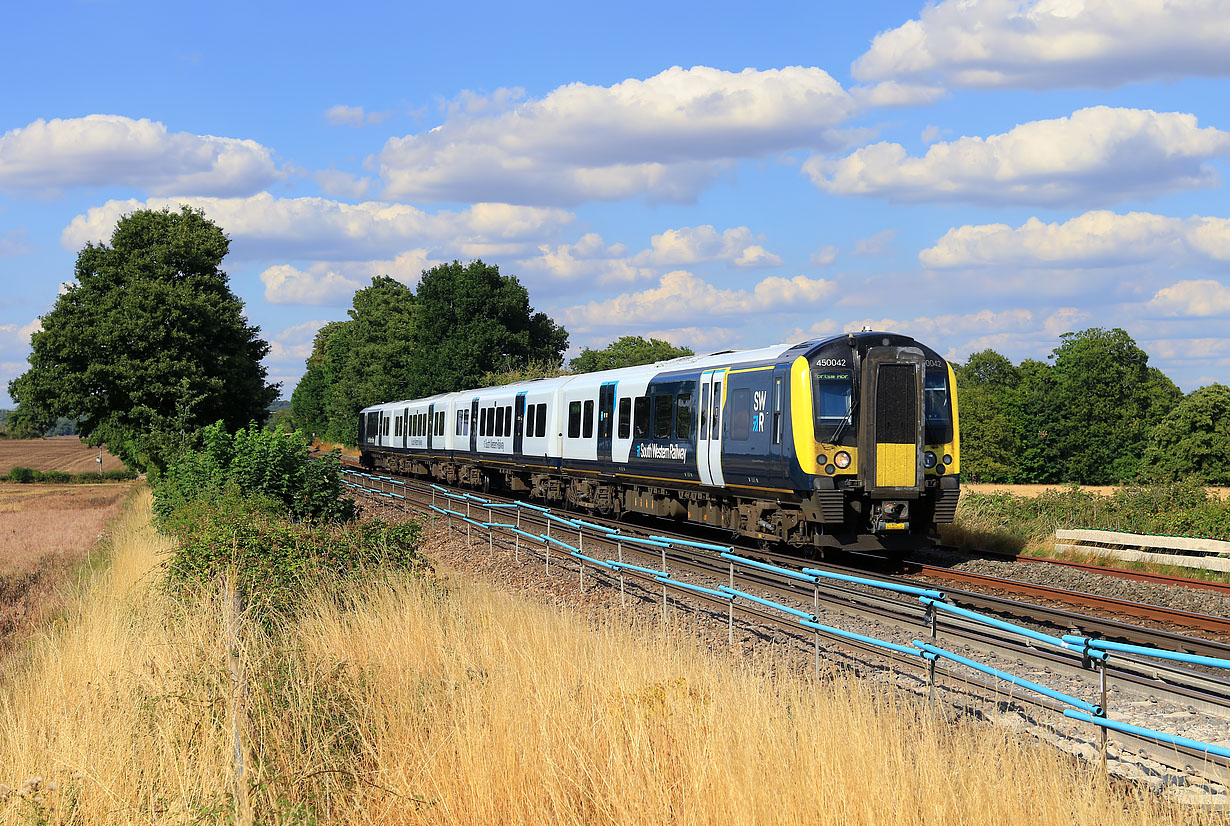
(45, 530)
(65, 453)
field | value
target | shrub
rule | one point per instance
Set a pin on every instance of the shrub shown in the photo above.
(22, 475)
(277, 562)
(274, 466)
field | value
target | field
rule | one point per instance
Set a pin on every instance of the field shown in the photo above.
(64, 453)
(45, 530)
(434, 700)
(1031, 491)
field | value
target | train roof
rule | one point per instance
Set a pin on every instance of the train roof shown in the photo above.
(704, 361)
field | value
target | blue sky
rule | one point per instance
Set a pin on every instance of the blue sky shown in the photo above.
(976, 174)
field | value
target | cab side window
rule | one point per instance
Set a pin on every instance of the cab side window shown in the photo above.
(640, 421)
(663, 413)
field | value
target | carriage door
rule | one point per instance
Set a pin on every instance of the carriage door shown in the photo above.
(474, 426)
(709, 433)
(519, 423)
(606, 420)
(405, 427)
(431, 424)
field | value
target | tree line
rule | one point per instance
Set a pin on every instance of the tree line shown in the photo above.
(1094, 412)
(148, 345)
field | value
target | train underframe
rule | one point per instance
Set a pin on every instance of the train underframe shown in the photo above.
(839, 518)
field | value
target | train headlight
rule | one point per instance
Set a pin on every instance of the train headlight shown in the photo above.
(842, 459)
(822, 459)
(939, 470)
(928, 459)
(947, 459)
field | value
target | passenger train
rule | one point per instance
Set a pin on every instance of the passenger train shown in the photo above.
(849, 441)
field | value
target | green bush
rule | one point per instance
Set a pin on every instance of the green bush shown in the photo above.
(274, 466)
(1002, 520)
(276, 562)
(22, 475)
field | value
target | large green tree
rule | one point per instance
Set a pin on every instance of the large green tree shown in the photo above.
(1111, 400)
(626, 351)
(986, 386)
(1193, 439)
(470, 321)
(149, 343)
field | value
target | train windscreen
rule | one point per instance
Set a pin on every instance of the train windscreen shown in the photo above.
(939, 408)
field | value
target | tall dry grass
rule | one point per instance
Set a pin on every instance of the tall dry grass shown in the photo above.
(426, 702)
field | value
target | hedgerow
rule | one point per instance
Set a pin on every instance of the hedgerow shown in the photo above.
(25, 475)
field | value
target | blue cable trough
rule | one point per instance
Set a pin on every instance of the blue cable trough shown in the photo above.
(687, 586)
(850, 635)
(705, 546)
(768, 603)
(1160, 736)
(764, 566)
(618, 566)
(654, 542)
(1161, 653)
(1067, 699)
(1010, 627)
(877, 583)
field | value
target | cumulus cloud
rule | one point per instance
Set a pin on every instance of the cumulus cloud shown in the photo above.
(295, 342)
(334, 282)
(877, 244)
(341, 184)
(1096, 154)
(342, 115)
(890, 93)
(825, 256)
(263, 226)
(1098, 238)
(590, 257)
(664, 138)
(1052, 44)
(1199, 299)
(682, 297)
(111, 150)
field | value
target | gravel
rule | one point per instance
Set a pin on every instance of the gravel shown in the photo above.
(1196, 600)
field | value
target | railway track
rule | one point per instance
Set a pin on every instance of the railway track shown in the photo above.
(1192, 687)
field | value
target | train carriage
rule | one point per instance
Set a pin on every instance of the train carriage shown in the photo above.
(850, 441)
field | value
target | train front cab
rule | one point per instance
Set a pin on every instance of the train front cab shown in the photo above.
(875, 432)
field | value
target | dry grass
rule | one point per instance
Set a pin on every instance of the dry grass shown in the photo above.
(45, 531)
(421, 703)
(66, 453)
(325, 447)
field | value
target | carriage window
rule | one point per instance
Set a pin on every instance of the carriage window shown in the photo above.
(482, 421)
(640, 419)
(939, 408)
(588, 420)
(541, 429)
(440, 423)
(625, 418)
(460, 423)
(397, 427)
(663, 413)
(529, 422)
(777, 410)
(574, 420)
(703, 420)
(499, 421)
(683, 416)
(715, 413)
(386, 426)
(834, 397)
(508, 420)
(740, 414)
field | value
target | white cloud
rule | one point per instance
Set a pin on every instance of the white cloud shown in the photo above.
(335, 282)
(1096, 154)
(294, 343)
(342, 115)
(341, 184)
(825, 256)
(891, 93)
(683, 298)
(111, 150)
(1198, 299)
(318, 228)
(1050, 44)
(875, 244)
(590, 257)
(664, 138)
(1099, 238)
